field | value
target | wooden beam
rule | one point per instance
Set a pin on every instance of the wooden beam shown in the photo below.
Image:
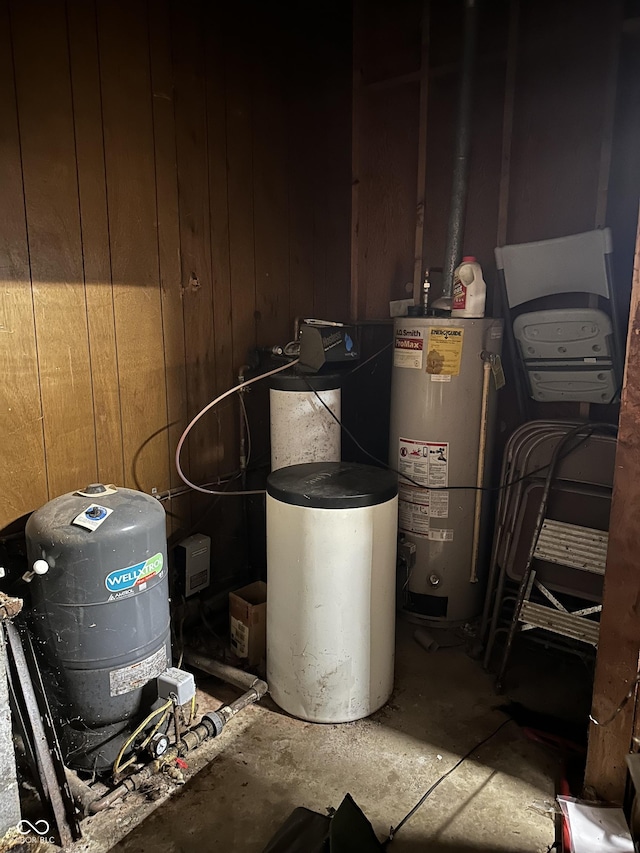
(619, 648)
(418, 256)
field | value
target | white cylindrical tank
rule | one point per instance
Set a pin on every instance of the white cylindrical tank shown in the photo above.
(331, 564)
(443, 395)
(302, 430)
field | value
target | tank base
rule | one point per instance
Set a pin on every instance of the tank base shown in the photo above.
(326, 719)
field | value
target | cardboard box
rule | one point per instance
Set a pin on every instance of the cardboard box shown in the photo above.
(248, 622)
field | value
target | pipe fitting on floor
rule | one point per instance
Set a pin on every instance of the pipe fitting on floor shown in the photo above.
(217, 722)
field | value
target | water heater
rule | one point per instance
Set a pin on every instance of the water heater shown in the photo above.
(443, 396)
(100, 610)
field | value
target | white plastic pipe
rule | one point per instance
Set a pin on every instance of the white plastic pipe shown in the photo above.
(201, 414)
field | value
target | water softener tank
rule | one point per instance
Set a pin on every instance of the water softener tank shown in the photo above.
(303, 428)
(331, 564)
(100, 609)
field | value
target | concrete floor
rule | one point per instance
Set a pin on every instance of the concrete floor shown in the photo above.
(266, 763)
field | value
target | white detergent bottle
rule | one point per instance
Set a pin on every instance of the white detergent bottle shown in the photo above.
(469, 289)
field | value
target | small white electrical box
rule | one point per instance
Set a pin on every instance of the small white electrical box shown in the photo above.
(176, 682)
(193, 558)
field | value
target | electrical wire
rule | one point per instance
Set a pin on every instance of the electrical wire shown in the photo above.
(193, 709)
(371, 357)
(203, 412)
(246, 424)
(117, 767)
(394, 830)
(590, 428)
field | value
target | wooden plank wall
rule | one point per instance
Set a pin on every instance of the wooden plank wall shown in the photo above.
(554, 158)
(168, 170)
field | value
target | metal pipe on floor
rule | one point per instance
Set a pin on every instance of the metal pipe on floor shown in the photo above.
(460, 182)
(230, 674)
(83, 795)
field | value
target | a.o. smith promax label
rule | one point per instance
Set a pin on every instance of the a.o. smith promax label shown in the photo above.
(408, 348)
(132, 580)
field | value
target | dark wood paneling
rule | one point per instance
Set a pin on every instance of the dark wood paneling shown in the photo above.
(193, 182)
(303, 149)
(45, 114)
(240, 187)
(160, 146)
(225, 362)
(168, 234)
(333, 179)
(560, 117)
(24, 481)
(387, 196)
(271, 183)
(87, 112)
(390, 39)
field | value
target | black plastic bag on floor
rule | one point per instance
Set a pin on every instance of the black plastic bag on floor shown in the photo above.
(346, 831)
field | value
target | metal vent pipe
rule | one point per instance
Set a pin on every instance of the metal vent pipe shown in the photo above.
(460, 183)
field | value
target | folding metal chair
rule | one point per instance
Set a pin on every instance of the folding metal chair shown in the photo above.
(569, 353)
(559, 541)
(575, 520)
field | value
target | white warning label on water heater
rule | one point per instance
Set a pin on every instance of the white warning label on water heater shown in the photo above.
(426, 463)
(441, 535)
(439, 504)
(408, 348)
(413, 511)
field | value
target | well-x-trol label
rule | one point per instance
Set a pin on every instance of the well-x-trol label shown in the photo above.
(132, 580)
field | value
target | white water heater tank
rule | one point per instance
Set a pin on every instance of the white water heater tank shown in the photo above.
(303, 428)
(443, 396)
(331, 566)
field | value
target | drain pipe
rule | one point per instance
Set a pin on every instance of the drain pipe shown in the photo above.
(210, 726)
(460, 183)
(230, 674)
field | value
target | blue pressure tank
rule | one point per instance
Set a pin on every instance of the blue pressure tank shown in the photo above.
(100, 611)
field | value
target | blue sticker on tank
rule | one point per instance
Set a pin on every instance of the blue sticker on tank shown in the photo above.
(125, 580)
